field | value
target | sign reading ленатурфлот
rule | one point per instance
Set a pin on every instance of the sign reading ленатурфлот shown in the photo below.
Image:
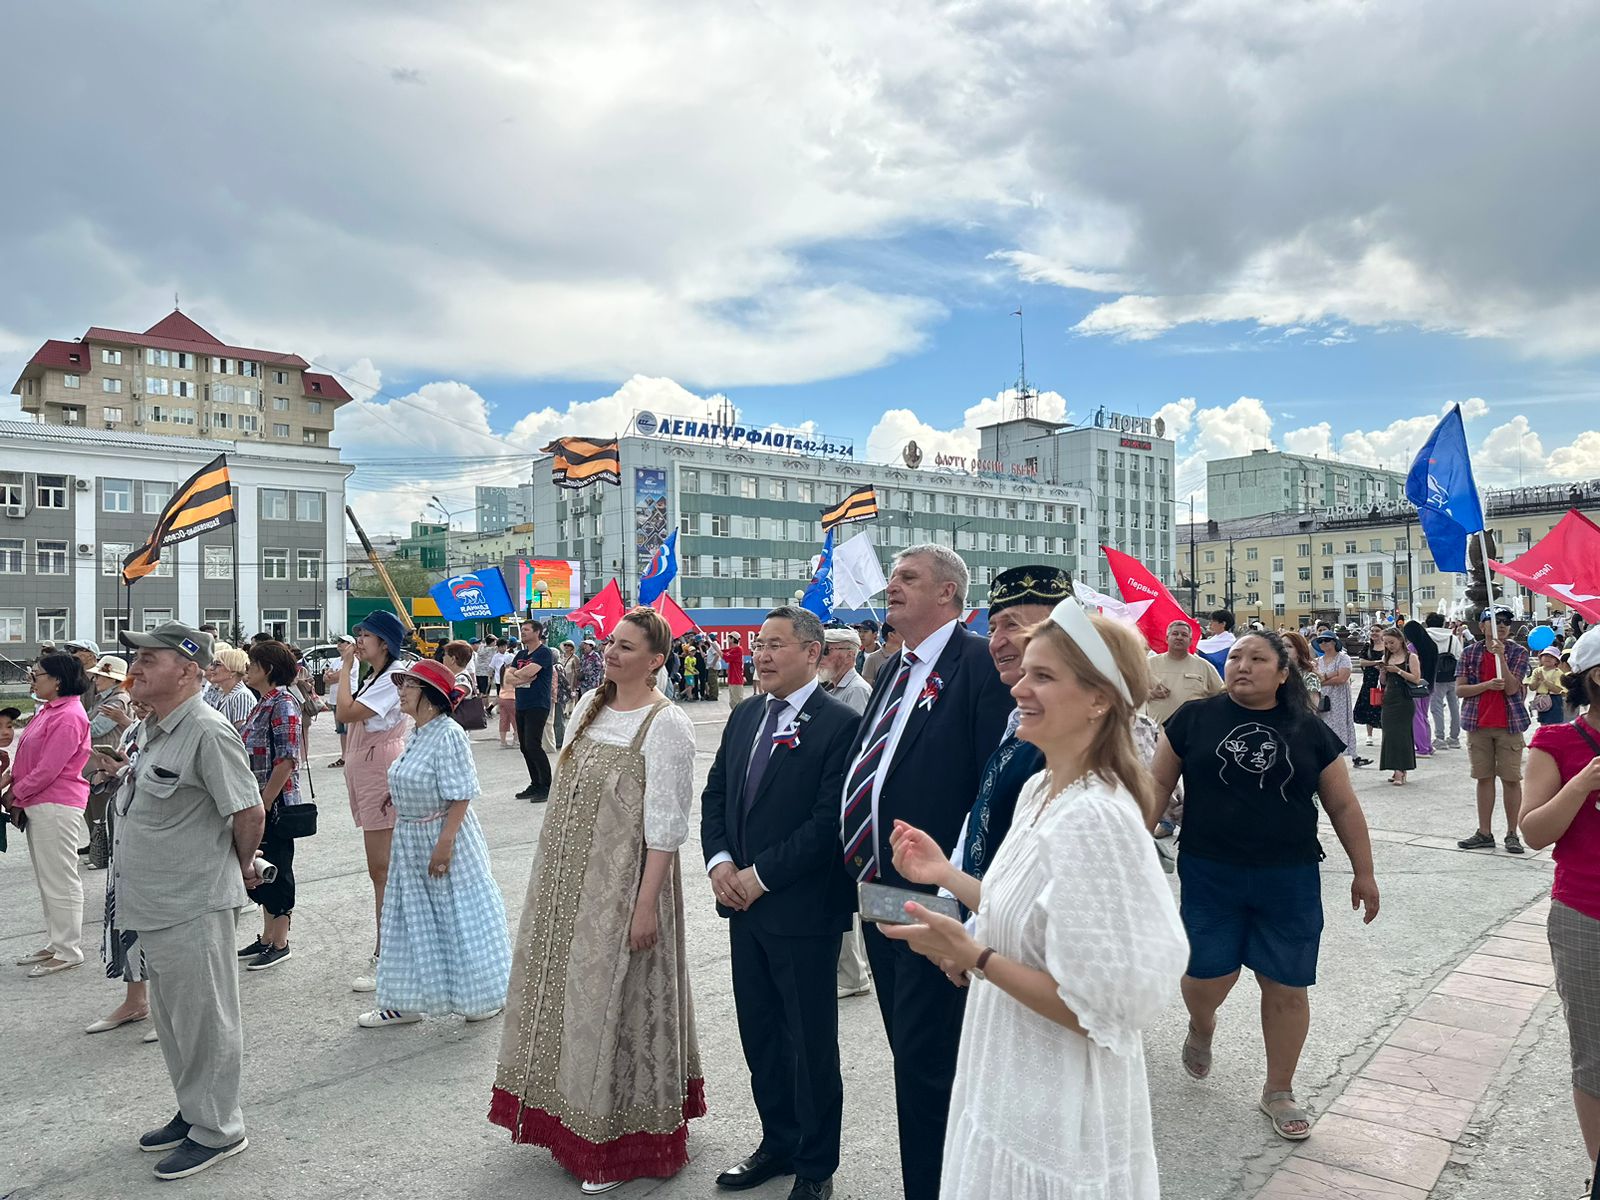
(649, 424)
(477, 596)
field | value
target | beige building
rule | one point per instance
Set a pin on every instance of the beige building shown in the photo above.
(176, 380)
(1286, 569)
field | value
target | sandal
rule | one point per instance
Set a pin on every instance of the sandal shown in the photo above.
(1282, 1110)
(1196, 1056)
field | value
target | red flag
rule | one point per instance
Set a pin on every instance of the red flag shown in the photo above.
(1137, 583)
(679, 620)
(1564, 564)
(602, 613)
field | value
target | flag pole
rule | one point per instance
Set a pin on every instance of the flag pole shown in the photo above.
(1488, 585)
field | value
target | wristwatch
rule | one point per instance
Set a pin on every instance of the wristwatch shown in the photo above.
(976, 970)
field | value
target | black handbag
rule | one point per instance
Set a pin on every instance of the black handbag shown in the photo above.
(289, 820)
(1419, 689)
(469, 714)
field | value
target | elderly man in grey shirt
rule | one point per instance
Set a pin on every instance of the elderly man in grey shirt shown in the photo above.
(188, 828)
(837, 670)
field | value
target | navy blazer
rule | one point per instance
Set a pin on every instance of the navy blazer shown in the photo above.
(791, 833)
(939, 760)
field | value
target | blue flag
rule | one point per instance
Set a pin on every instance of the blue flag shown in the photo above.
(1440, 484)
(662, 570)
(819, 594)
(475, 597)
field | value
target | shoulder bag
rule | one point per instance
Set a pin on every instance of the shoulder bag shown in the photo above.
(289, 820)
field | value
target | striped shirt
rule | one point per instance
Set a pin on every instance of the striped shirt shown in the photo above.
(236, 705)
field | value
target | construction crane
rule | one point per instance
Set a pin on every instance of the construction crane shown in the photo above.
(415, 638)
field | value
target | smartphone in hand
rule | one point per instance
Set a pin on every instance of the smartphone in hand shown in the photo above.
(887, 905)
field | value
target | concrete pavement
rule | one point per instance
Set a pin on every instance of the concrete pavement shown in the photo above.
(335, 1111)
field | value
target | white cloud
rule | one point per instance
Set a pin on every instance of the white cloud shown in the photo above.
(898, 426)
(1315, 440)
(1579, 460)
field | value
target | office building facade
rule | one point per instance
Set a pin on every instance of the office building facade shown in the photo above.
(502, 507)
(1264, 482)
(75, 502)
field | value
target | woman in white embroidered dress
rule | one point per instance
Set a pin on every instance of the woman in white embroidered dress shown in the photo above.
(1078, 947)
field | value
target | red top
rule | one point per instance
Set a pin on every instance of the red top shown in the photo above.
(734, 657)
(1577, 851)
(1492, 704)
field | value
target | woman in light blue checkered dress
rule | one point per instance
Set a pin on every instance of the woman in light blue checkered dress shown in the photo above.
(445, 946)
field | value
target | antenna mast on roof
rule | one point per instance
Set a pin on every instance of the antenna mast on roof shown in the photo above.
(1027, 397)
(174, 301)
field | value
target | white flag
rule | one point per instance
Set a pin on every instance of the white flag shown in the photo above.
(857, 577)
(1109, 606)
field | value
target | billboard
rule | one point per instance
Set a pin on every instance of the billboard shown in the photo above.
(546, 583)
(649, 514)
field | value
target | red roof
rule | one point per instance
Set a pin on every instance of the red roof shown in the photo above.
(61, 354)
(177, 332)
(323, 387)
(176, 325)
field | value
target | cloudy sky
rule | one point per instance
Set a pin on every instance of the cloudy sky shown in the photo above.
(1307, 225)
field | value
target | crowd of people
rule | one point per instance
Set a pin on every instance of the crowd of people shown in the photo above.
(973, 829)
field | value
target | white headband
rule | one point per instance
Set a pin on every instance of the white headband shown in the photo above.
(1069, 614)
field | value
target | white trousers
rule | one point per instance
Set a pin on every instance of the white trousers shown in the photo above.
(54, 834)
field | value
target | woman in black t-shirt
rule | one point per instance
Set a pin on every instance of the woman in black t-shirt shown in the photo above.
(1252, 761)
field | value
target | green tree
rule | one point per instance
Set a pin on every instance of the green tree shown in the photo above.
(409, 578)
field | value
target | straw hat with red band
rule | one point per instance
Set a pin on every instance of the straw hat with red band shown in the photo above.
(436, 676)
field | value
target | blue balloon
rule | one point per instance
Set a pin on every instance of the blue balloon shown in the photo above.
(1541, 637)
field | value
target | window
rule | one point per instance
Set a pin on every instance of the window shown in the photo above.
(114, 357)
(308, 564)
(1211, 556)
(222, 618)
(719, 525)
(805, 490)
(155, 386)
(719, 484)
(308, 436)
(1327, 596)
(151, 617)
(112, 555)
(280, 404)
(1524, 536)
(1305, 597)
(111, 385)
(1377, 544)
(275, 564)
(308, 625)
(13, 624)
(688, 480)
(11, 556)
(1250, 553)
(1350, 546)
(112, 623)
(50, 624)
(280, 431)
(280, 377)
(71, 381)
(50, 558)
(1327, 547)
(1304, 573)
(219, 562)
(249, 423)
(220, 420)
(182, 387)
(1277, 566)
(1252, 576)
(181, 416)
(1352, 571)
(1303, 550)
(747, 486)
(275, 621)
(112, 415)
(116, 495)
(308, 506)
(1327, 572)
(274, 504)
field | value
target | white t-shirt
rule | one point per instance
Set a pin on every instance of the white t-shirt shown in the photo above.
(382, 696)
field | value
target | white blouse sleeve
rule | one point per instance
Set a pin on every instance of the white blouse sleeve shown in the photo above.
(669, 750)
(1113, 941)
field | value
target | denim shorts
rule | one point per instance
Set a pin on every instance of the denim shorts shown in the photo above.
(1266, 918)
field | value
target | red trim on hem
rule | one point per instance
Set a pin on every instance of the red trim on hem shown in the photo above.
(631, 1156)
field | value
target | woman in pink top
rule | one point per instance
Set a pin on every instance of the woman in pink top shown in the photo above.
(1562, 792)
(48, 796)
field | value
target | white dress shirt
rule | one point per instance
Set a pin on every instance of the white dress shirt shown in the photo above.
(788, 718)
(927, 651)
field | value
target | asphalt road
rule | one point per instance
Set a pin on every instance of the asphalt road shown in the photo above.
(337, 1111)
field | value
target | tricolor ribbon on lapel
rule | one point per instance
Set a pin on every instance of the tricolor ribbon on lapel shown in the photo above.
(930, 692)
(788, 738)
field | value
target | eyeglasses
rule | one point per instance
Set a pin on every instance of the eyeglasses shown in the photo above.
(776, 647)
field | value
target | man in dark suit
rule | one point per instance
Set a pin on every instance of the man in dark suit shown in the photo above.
(769, 826)
(938, 711)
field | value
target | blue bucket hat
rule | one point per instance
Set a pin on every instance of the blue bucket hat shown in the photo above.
(383, 624)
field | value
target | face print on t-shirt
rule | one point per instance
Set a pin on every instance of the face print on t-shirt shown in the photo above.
(1253, 757)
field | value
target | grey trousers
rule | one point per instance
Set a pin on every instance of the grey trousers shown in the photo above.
(853, 973)
(194, 999)
(1443, 692)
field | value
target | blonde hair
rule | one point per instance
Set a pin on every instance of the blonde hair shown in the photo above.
(1111, 753)
(657, 635)
(233, 659)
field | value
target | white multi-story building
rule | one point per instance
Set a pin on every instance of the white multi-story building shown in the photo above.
(75, 502)
(502, 507)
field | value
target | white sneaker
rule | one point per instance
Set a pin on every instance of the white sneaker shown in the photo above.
(154, 1035)
(595, 1189)
(383, 1018)
(483, 1016)
(369, 981)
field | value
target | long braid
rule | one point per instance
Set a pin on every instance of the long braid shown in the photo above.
(603, 695)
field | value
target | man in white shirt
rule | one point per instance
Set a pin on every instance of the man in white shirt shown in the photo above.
(837, 671)
(1179, 676)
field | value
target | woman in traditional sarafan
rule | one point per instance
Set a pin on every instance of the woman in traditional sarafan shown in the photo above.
(599, 1060)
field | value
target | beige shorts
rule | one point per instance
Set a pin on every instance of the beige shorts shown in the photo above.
(1495, 754)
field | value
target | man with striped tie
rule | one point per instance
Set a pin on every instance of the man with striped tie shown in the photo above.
(937, 712)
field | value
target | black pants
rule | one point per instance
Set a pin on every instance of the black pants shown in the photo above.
(783, 990)
(276, 897)
(530, 732)
(922, 1013)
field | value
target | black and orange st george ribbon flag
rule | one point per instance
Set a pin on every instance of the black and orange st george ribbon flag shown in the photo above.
(202, 503)
(581, 461)
(859, 505)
